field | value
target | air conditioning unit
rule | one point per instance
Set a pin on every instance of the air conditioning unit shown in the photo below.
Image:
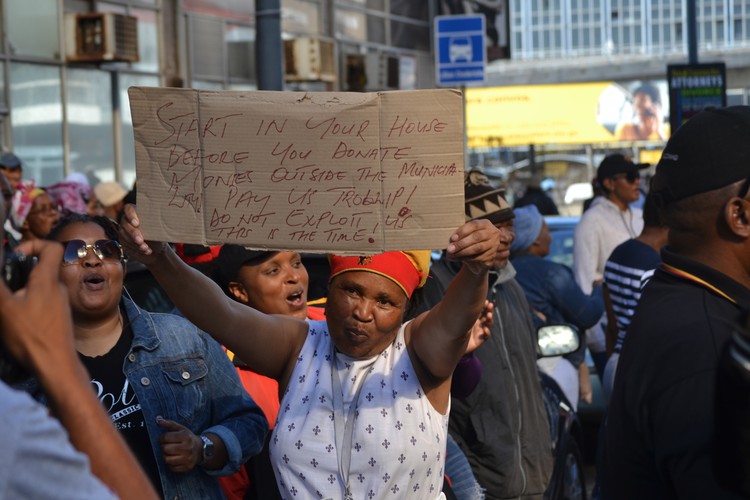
(101, 37)
(309, 59)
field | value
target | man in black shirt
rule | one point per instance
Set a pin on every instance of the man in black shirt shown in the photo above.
(660, 426)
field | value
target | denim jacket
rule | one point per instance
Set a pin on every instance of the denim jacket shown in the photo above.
(180, 373)
(551, 290)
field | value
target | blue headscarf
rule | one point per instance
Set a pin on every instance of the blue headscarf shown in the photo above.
(527, 226)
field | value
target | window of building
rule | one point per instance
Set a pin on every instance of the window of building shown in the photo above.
(710, 15)
(739, 19)
(37, 120)
(4, 137)
(243, 86)
(42, 116)
(206, 35)
(148, 40)
(298, 16)
(411, 9)
(221, 54)
(109, 7)
(409, 35)
(376, 29)
(350, 25)
(207, 85)
(586, 26)
(627, 27)
(370, 4)
(543, 32)
(240, 42)
(628, 22)
(90, 126)
(547, 28)
(127, 141)
(34, 30)
(230, 9)
(375, 36)
(3, 97)
(405, 24)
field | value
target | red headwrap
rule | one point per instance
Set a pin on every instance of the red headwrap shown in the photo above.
(197, 254)
(408, 270)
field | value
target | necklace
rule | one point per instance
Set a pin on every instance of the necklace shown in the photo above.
(343, 424)
(628, 227)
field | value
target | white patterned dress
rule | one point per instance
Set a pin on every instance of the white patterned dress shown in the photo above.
(398, 438)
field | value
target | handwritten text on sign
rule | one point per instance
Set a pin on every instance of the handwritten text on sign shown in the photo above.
(345, 172)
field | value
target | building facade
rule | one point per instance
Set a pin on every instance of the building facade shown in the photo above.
(569, 44)
(563, 41)
(63, 110)
(61, 113)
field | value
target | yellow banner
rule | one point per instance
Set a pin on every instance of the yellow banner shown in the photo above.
(583, 113)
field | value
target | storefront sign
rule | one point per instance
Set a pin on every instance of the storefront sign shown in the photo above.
(695, 87)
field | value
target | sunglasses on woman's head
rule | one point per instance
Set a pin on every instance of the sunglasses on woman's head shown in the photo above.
(631, 177)
(103, 249)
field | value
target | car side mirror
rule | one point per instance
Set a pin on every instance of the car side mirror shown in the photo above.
(557, 340)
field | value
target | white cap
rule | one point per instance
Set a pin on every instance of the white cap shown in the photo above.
(109, 193)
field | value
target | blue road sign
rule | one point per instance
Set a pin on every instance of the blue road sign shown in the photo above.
(460, 52)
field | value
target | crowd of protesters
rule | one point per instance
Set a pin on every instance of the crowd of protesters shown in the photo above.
(410, 381)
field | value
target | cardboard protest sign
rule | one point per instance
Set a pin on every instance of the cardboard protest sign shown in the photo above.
(354, 173)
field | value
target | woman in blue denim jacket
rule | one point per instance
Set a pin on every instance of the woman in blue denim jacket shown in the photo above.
(168, 387)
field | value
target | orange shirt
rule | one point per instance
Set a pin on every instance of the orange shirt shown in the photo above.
(265, 393)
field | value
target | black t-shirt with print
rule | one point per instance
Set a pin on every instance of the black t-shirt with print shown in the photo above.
(121, 403)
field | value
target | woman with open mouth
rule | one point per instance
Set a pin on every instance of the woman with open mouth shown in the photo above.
(273, 283)
(169, 388)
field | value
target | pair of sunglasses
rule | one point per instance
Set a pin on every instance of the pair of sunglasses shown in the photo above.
(631, 177)
(103, 249)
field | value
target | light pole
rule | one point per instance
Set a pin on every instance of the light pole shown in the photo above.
(268, 54)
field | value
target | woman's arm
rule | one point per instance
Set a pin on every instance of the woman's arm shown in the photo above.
(230, 419)
(268, 344)
(585, 254)
(579, 309)
(611, 330)
(438, 337)
(236, 420)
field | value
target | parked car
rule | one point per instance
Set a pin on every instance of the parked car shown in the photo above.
(562, 229)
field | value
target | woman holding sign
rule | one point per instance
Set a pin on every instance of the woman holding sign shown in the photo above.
(364, 411)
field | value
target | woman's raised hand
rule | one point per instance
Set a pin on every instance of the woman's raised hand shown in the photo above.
(475, 244)
(132, 240)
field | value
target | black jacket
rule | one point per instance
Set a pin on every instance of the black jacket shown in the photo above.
(660, 425)
(502, 426)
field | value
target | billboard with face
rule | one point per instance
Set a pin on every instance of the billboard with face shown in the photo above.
(579, 113)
